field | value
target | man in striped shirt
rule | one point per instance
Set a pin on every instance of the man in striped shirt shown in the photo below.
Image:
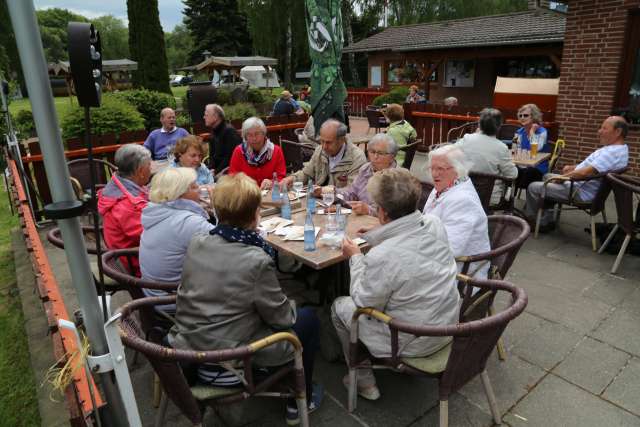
(612, 156)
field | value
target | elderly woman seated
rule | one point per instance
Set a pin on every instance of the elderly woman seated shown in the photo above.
(230, 295)
(169, 221)
(382, 151)
(257, 157)
(188, 153)
(121, 201)
(409, 273)
(455, 201)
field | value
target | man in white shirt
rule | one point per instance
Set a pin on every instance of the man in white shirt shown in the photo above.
(613, 156)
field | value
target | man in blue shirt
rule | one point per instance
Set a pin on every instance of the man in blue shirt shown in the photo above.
(161, 140)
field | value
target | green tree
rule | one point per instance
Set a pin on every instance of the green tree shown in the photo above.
(114, 37)
(179, 45)
(53, 31)
(10, 67)
(217, 26)
(146, 45)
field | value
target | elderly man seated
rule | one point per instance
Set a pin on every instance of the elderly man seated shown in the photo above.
(409, 273)
(382, 151)
(160, 141)
(455, 201)
(122, 200)
(613, 156)
(335, 162)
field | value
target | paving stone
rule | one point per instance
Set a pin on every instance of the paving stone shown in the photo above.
(611, 289)
(580, 255)
(555, 402)
(592, 365)
(625, 389)
(632, 302)
(462, 413)
(518, 329)
(620, 330)
(511, 380)
(547, 345)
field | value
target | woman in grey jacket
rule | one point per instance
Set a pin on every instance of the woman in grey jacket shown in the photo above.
(230, 295)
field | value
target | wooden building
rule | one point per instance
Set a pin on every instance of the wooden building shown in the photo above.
(116, 75)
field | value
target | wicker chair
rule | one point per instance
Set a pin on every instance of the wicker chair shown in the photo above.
(484, 184)
(426, 188)
(593, 208)
(506, 131)
(455, 364)
(624, 188)
(457, 132)
(410, 152)
(167, 364)
(294, 154)
(376, 120)
(79, 169)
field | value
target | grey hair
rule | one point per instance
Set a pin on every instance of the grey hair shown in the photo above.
(396, 191)
(165, 110)
(621, 123)
(384, 138)
(341, 128)
(536, 114)
(252, 123)
(490, 120)
(129, 158)
(456, 158)
(450, 101)
(217, 109)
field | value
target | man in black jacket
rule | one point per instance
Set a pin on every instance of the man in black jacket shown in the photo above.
(223, 140)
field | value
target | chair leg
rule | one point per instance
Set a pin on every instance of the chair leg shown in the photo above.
(157, 391)
(608, 239)
(604, 215)
(444, 413)
(594, 244)
(502, 354)
(162, 411)
(538, 219)
(352, 393)
(558, 213)
(623, 249)
(303, 412)
(493, 404)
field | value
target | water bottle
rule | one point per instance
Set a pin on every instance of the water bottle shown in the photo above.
(311, 201)
(309, 233)
(275, 188)
(341, 220)
(285, 209)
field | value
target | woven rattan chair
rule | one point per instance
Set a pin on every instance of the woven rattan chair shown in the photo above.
(410, 152)
(426, 188)
(624, 188)
(376, 120)
(167, 363)
(455, 364)
(294, 154)
(506, 131)
(484, 184)
(79, 169)
(457, 132)
(593, 208)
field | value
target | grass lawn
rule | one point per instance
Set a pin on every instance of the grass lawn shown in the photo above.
(18, 405)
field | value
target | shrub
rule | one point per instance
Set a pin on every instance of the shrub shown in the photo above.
(241, 110)
(114, 116)
(223, 97)
(397, 95)
(255, 96)
(183, 120)
(24, 124)
(148, 103)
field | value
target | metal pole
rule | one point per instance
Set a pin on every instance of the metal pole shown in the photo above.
(23, 18)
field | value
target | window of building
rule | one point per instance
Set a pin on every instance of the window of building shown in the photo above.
(628, 96)
(535, 66)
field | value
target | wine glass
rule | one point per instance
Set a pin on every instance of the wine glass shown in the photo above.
(328, 196)
(297, 187)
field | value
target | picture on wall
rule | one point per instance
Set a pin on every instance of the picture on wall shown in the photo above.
(459, 73)
(409, 72)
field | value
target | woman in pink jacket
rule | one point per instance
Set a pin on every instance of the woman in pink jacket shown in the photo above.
(121, 201)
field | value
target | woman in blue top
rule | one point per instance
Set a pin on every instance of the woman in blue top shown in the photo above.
(188, 153)
(530, 118)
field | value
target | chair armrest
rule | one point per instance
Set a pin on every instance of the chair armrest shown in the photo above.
(277, 337)
(556, 178)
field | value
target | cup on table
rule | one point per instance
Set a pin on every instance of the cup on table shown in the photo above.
(534, 149)
(297, 187)
(333, 235)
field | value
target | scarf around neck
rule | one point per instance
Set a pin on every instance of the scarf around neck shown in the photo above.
(248, 237)
(260, 158)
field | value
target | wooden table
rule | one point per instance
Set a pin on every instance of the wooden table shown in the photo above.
(531, 162)
(323, 256)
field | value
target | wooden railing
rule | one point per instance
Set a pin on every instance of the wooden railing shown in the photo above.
(359, 98)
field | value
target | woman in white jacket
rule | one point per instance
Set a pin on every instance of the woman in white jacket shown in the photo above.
(455, 201)
(410, 274)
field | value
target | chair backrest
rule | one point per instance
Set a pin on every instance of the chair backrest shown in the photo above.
(556, 153)
(292, 152)
(79, 169)
(457, 132)
(373, 118)
(54, 236)
(600, 199)
(483, 183)
(624, 187)
(424, 195)
(410, 152)
(506, 131)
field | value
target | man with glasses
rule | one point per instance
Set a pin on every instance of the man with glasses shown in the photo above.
(335, 162)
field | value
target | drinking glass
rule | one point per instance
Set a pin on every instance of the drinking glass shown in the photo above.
(297, 187)
(332, 233)
(328, 196)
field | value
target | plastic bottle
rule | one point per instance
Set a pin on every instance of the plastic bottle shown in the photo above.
(285, 209)
(311, 201)
(275, 188)
(309, 233)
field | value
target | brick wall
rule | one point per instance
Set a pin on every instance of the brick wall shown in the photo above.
(593, 47)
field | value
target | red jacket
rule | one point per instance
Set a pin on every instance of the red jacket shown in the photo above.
(120, 203)
(259, 173)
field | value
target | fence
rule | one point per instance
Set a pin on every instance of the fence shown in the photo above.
(359, 98)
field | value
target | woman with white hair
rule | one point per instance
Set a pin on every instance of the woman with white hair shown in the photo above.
(257, 157)
(169, 221)
(382, 151)
(455, 201)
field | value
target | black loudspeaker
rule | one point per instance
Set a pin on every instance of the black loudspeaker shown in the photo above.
(85, 59)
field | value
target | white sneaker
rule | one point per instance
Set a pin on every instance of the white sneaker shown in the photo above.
(369, 392)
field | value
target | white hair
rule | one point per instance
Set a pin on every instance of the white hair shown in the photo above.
(386, 139)
(252, 123)
(450, 101)
(129, 158)
(171, 183)
(456, 158)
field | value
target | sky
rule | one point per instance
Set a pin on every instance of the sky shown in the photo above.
(170, 10)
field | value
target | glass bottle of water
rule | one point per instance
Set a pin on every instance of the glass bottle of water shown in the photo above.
(275, 188)
(311, 201)
(309, 233)
(285, 209)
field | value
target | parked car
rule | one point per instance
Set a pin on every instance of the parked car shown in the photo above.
(181, 80)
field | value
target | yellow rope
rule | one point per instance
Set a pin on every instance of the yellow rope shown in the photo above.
(61, 378)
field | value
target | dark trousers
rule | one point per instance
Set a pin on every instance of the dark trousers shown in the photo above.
(307, 328)
(526, 176)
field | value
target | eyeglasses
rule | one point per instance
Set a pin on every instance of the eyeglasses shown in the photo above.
(377, 153)
(440, 170)
(524, 116)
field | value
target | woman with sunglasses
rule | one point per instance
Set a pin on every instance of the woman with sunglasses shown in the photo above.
(530, 117)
